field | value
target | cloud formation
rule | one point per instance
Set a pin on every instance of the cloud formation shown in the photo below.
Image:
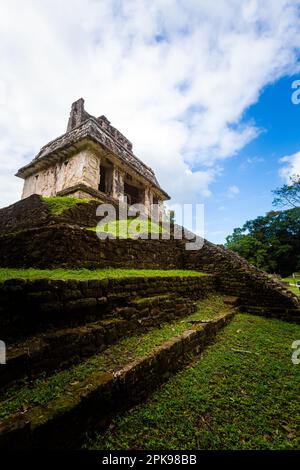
(174, 76)
(233, 191)
(291, 166)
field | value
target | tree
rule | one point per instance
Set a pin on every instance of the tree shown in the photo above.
(270, 242)
(289, 194)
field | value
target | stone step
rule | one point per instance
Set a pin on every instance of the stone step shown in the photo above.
(58, 349)
(282, 313)
(231, 299)
(29, 307)
(111, 382)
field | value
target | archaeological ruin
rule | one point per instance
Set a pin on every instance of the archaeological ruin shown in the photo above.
(91, 160)
(69, 367)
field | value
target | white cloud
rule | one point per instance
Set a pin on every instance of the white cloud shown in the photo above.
(291, 166)
(233, 191)
(173, 76)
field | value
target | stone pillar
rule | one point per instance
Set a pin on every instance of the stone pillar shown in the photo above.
(90, 169)
(148, 198)
(118, 184)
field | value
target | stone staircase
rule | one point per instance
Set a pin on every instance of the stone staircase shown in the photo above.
(291, 315)
(75, 375)
(58, 348)
(29, 307)
(258, 292)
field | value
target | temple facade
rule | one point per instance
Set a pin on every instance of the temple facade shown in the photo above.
(92, 160)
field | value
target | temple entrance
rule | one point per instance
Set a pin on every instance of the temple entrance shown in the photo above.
(102, 184)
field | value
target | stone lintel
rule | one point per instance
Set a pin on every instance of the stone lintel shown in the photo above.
(91, 193)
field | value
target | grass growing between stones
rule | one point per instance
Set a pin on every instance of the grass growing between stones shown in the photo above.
(86, 274)
(210, 308)
(113, 358)
(57, 205)
(128, 228)
(242, 394)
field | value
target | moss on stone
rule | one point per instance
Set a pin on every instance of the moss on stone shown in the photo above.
(46, 389)
(93, 274)
(242, 394)
(122, 228)
(57, 205)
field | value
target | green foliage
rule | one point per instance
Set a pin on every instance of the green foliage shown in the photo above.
(270, 242)
(85, 274)
(289, 194)
(57, 205)
(121, 228)
(242, 394)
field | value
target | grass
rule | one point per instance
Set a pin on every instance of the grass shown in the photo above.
(113, 358)
(57, 205)
(129, 228)
(86, 274)
(294, 289)
(242, 394)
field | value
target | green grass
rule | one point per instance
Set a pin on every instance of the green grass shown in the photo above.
(114, 357)
(57, 205)
(209, 308)
(294, 288)
(225, 400)
(86, 274)
(128, 228)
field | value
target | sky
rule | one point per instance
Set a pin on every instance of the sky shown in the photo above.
(203, 90)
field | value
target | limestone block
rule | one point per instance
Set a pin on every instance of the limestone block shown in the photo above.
(83, 167)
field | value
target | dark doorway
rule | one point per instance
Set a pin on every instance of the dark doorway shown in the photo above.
(132, 193)
(102, 184)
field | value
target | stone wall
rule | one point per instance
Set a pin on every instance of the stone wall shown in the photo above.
(71, 247)
(29, 212)
(61, 245)
(83, 167)
(237, 277)
(64, 421)
(33, 212)
(52, 242)
(29, 306)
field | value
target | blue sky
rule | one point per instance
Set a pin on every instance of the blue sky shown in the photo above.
(201, 88)
(255, 170)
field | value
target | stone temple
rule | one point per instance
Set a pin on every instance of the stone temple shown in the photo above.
(92, 160)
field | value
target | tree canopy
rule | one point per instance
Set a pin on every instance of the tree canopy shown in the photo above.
(289, 194)
(270, 242)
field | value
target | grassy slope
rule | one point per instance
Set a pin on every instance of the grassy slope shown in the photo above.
(85, 274)
(129, 228)
(226, 400)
